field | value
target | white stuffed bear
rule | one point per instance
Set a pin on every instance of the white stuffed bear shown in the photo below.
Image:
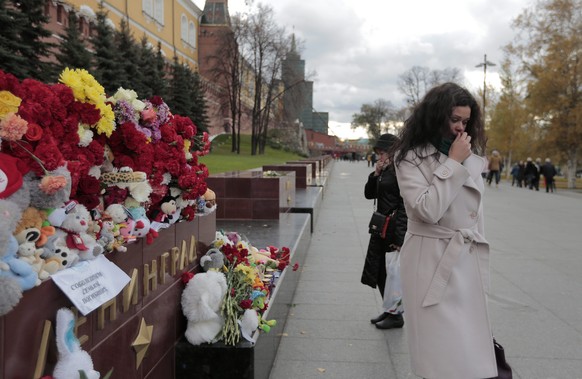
(72, 358)
(201, 302)
(29, 253)
(73, 229)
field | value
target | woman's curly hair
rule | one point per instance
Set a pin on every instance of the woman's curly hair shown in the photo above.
(430, 120)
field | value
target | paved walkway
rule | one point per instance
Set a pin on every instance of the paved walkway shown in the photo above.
(535, 304)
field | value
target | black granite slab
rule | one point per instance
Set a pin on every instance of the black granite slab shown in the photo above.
(253, 360)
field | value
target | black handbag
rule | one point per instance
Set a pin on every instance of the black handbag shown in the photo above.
(379, 224)
(503, 368)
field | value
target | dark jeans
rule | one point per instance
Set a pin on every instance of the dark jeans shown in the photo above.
(550, 185)
(490, 177)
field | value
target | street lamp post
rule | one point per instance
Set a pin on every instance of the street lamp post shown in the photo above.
(484, 65)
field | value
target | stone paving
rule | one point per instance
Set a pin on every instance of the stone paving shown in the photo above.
(535, 302)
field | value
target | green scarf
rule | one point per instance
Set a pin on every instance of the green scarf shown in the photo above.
(445, 146)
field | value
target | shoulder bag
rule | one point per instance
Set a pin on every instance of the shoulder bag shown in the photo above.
(379, 222)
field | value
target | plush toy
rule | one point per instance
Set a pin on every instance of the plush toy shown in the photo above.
(29, 253)
(201, 302)
(28, 233)
(57, 256)
(40, 199)
(72, 358)
(249, 322)
(159, 215)
(142, 227)
(10, 289)
(14, 186)
(73, 229)
(10, 294)
(12, 267)
(210, 198)
(34, 227)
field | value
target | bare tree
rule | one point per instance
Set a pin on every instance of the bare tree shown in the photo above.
(263, 45)
(415, 82)
(226, 72)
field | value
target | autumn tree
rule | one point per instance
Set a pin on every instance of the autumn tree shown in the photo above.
(373, 117)
(509, 124)
(548, 47)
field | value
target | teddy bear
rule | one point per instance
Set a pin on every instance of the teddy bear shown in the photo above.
(28, 233)
(72, 359)
(30, 254)
(13, 267)
(202, 299)
(72, 227)
(10, 289)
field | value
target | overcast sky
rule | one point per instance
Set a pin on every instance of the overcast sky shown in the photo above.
(358, 48)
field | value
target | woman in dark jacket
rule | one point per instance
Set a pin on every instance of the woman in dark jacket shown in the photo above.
(383, 188)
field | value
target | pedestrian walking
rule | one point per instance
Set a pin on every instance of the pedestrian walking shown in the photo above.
(549, 172)
(530, 174)
(383, 188)
(495, 165)
(445, 256)
(514, 174)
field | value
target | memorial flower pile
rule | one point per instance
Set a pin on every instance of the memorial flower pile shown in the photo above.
(123, 157)
(251, 276)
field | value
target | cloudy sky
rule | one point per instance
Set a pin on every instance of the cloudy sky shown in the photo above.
(356, 49)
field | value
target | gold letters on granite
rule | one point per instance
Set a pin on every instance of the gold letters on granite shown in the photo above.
(179, 260)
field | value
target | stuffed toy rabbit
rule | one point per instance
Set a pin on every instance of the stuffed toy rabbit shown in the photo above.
(72, 359)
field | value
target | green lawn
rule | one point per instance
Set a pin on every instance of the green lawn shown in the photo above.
(221, 159)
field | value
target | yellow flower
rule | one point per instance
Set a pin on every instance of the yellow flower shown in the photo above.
(8, 103)
(88, 90)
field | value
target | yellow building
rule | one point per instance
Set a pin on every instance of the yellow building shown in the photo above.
(173, 23)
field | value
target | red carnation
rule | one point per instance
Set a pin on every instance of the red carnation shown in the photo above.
(8, 82)
(246, 304)
(88, 113)
(89, 185)
(156, 100)
(188, 213)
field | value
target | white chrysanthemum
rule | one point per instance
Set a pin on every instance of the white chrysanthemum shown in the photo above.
(85, 135)
(167, 178)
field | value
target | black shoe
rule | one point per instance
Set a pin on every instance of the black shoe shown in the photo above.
(379, 318)
(391, 322)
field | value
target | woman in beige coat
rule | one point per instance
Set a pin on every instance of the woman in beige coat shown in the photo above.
(445, 257)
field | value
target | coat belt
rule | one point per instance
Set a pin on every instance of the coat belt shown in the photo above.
(459, 242)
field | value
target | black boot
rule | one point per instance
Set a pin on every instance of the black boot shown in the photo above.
(379, 318)
(391, 321)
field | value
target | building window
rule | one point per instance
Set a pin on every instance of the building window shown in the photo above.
(192, 34)
(147, 7)
(61, 14)
(159, 11)
(184, 28)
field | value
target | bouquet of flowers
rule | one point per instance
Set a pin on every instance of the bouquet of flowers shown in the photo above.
(251, 276)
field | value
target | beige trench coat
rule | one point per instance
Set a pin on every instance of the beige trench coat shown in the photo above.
(444, 266)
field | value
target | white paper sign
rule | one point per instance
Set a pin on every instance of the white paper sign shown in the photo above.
(90, 284)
